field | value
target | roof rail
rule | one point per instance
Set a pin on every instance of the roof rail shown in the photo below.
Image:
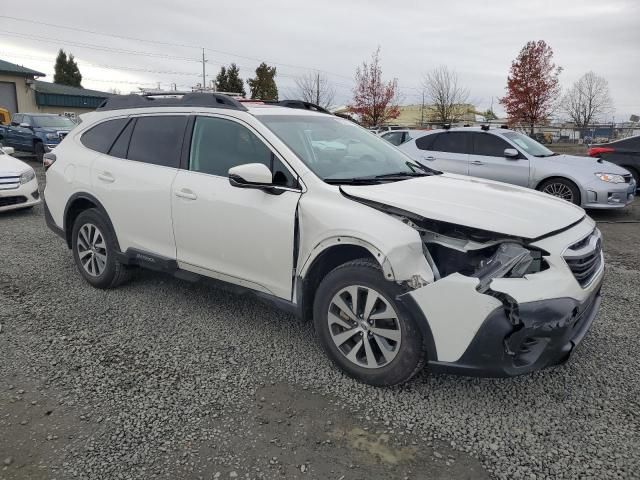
(171, 99)
(301, 104)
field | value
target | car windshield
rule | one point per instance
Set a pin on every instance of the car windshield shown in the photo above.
(528, 144)
(53, 121)
(338, 151)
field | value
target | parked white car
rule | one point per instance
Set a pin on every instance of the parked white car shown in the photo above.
(511, 157)
(18, 183)
(398, 266)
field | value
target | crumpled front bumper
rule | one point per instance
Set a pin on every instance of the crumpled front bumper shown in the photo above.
(547, 335)
(517, 326)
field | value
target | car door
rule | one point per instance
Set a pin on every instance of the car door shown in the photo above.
(133, 179)
(487, 160)
(16, 137)
(243, 236)
(445, 151)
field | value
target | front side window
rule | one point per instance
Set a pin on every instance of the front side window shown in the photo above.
(101, 137)
(451, 142)
(489, 145)
(528, 144)
(158, 140)
(338, 151)
(17, 119)
(52, 121)
(218, 145)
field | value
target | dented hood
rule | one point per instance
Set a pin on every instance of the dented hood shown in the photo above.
(474, 202)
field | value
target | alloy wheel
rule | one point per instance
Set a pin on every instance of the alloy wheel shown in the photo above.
(92, 249)
(364, 326)
(559, 190)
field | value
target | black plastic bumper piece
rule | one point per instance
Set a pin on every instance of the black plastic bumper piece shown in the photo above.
(50, 223)
(548, 332)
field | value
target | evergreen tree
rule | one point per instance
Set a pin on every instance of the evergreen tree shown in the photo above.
(221, 80)
(234, 82)
(263, 86)
(66, 70)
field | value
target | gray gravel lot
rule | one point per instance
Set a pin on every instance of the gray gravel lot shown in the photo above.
(161, 378)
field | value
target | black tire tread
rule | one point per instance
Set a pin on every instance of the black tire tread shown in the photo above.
(371, 264)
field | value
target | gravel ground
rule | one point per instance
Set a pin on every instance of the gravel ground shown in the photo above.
(161, 378)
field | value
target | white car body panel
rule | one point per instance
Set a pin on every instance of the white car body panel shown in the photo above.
(475, 203)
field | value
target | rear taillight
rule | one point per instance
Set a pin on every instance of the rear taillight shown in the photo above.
(48, 159)
(597, 151)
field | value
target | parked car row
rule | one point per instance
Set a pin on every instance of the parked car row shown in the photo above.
(511, 157)
(398, 264)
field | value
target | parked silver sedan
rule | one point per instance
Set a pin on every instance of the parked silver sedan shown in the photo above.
(511, 157)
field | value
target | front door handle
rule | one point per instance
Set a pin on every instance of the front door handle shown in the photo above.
(186, 194)
(477, 162)
(106, 177)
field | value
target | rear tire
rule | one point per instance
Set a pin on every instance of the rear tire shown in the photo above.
(377, 342)
(561, 188)
(94, 248)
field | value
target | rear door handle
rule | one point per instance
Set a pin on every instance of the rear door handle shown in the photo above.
(106, 177)
(186, 194)
(430, 158)
(477, 162)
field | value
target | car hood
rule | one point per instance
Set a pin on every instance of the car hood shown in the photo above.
(10, 165)
(473, 202)
(595, 164)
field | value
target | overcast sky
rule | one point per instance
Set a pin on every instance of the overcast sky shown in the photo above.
(478, 39)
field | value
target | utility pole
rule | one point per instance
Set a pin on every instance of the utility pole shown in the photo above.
(204, 75)
(317, 88)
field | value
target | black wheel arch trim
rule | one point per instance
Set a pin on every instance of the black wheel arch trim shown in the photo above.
(67, 229)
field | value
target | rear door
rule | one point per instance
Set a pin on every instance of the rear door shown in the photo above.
(446, 151)
(132, 178)
(487, 160)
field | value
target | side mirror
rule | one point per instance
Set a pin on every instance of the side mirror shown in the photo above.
(253, 175)
(8, 150)
(25, 125)
(511, 153)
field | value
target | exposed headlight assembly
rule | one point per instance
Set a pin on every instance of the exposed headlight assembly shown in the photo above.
(52, 136)
(27, 176)
(610, 177)
(510, 260)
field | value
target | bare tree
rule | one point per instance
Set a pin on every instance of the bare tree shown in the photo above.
(315, 88)
(587, 100)
(447, 97)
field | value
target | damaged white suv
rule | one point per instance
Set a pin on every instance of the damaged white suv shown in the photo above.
(399, 266)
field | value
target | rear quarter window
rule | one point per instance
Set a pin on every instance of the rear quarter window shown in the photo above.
(101, 137)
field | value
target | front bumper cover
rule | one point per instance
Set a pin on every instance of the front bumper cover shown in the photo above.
(548, 332)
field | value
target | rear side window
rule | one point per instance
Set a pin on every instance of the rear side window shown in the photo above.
(426, 142)
(394, 138)
(489, 145)
(120, 148)
(158, 140)
(452, 142)
(101, 137)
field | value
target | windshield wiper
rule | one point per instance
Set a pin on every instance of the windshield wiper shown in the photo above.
(403, 174)
(352, 181)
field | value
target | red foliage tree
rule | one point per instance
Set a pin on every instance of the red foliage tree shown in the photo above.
(374, 100)
(532, 86)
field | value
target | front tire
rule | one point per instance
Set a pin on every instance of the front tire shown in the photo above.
(561, 188)
(94, 251)
(362, 327)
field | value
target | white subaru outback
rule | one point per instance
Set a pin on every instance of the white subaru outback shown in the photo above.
(398, 265)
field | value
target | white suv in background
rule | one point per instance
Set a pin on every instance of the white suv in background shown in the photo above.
(398, 265)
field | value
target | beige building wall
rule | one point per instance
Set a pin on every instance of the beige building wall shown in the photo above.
(26, 97)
